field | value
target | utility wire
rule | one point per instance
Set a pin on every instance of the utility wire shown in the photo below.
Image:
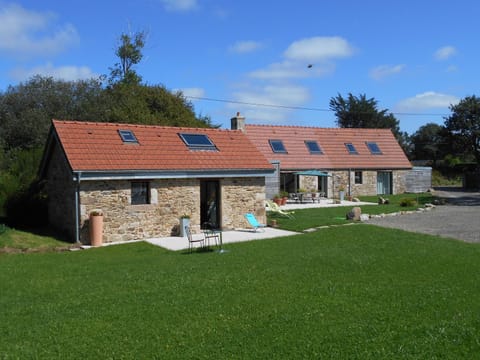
(298, 107)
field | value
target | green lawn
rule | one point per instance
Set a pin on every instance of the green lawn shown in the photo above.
(12, 240)
(315, 217)
(350, 292)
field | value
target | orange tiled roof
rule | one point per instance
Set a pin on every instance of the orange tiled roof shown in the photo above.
(94, 146)
(332, 142)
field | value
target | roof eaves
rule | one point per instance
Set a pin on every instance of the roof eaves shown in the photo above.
(172, 174)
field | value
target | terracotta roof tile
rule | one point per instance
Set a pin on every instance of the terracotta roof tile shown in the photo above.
(332, 142)
(98, 147)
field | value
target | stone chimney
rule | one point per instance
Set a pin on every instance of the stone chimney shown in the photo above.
(238, 122)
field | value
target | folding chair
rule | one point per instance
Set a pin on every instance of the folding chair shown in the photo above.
(252, 220)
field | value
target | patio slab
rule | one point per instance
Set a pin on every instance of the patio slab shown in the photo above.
(176, 243)
(323, 203)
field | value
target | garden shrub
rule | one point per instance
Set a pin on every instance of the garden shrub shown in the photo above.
(408, 202)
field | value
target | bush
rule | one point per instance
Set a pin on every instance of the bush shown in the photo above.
(408, 202)
(27, 208)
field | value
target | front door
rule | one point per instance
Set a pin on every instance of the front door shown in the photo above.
(210, 204)
(384, 183)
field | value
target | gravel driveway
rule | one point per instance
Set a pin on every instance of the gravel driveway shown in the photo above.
(458, 219)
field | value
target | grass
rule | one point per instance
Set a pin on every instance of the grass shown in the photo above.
(315, 217)
(12, 240)
(353, 292)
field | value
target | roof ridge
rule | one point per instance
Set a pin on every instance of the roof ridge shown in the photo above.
(112, 124)
(315, 127)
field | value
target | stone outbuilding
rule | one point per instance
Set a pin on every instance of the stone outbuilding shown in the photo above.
(143, 179)
(358, 161)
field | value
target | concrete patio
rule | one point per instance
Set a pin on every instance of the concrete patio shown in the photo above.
(176, 243)
(322, 203)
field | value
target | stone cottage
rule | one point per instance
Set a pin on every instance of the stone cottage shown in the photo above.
(360, 161)
(144, 178)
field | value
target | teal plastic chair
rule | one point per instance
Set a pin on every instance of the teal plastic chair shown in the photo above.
(252, 220)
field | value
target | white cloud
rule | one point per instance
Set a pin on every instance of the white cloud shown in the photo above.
(319, 48)
(179, 5)
(312, 57)
(243, 47)
(290, 69)
(193, 92)
(286, 95)
(427, 100)
(445, 53)
(383, 71)
(28, 33)
(68, 73)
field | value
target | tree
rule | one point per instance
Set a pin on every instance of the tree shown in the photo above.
(360, 112)
(26, 110)
(129, 53)
(429, 143)
(463, 126)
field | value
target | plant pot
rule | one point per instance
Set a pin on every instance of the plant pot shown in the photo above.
(277, 201)
(183, 223)
(342, 195)
(96, 230)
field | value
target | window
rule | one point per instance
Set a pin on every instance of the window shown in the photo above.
(351, 149)
(198, 142)
(373, 147)
(127, 136)
(277, 146)
(140, 193)
(358, 177)
(313, 147)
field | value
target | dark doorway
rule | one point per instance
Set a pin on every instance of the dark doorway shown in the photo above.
(210, 204)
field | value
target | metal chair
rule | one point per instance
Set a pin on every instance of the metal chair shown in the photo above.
(191, 240)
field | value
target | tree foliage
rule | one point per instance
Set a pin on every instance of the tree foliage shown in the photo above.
(429, 142)
(463, 127)
(361, 112)
(129, 53)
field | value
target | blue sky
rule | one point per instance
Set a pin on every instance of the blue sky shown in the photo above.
(415, 57)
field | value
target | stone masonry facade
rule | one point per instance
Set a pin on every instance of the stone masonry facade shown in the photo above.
(346, 179)
(169, 200)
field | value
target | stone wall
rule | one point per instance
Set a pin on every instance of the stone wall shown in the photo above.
(60, 187)
(369, 182)
(308, 183)
(170, 198)
(240, 196)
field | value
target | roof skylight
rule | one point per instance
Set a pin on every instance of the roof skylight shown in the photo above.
(127, 136)
(351, 148)
(277, 146)
(374, 148)
(198, 141)
(313, 147)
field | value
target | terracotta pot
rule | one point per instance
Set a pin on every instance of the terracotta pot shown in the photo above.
(277, 201)
(96, 230)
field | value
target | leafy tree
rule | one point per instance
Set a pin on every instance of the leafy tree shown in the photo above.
(429, 143)
(153, 105)
(129, 52)
(360, 112)
(26, 110)
(463, 126)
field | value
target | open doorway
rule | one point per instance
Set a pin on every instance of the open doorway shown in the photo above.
(210, 204)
